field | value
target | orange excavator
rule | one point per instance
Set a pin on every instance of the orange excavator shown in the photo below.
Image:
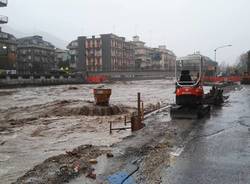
(189, 90)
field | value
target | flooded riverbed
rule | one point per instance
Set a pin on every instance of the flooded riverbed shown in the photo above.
(32, 135)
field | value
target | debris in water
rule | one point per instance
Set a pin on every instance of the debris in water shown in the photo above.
(2, 143)
(110, 155)
(93, 161)
(91, 175)
(64, 167)
(72, 88)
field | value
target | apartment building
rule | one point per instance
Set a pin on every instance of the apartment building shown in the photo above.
(166, 58)
(8, 49)
(147, 58)
(62, 58)
(192, 62)
(142, 54)
(35, 56)
(103, 53)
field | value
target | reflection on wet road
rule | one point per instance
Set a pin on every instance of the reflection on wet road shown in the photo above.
(219, 151)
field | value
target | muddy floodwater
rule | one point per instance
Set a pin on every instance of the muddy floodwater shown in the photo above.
(122, 92)
(34, 124)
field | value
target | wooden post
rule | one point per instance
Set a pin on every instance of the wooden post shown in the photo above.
(139, 107)
(125, 120)
(142, 104)
(110, 127)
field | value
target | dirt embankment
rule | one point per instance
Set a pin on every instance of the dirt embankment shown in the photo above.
(62, 168)
(156, 154)
(150, 149)
(7, 92)
(19, 116)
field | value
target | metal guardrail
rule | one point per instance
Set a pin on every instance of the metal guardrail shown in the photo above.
(3, 19)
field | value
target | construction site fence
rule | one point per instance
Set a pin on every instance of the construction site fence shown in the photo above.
(96, 79)
(222, 79)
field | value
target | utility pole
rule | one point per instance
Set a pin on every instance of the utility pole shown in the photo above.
(215, 50)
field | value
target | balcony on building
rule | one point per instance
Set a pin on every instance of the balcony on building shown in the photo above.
(3, 3)
(3, 19)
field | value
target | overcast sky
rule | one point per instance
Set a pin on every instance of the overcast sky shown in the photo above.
(184, 26)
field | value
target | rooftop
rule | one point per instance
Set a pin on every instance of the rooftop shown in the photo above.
(7, 38)
(197, 56)
(34, 41)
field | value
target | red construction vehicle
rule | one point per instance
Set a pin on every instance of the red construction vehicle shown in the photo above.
(189, 89)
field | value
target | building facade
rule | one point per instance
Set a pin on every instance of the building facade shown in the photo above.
(165, 58)
(7, 47)
(192, 61)
(62, 58)
(8, 53)
(104, 53)
(35, 56)
(73, 55)
(147, 58)
(142, 54)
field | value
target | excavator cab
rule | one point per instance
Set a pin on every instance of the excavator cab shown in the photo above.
(189, 89)
(186, 78)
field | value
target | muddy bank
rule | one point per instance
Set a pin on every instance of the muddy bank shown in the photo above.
(157, 153)
(62, 168)
(7, 92)
(19, 116)
(32, 134)
(148, 149)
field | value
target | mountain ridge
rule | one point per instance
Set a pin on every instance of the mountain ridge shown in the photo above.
(57, 42)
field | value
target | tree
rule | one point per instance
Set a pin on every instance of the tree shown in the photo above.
(242, 63)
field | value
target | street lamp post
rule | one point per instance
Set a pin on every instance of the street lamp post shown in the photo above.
(215, 50)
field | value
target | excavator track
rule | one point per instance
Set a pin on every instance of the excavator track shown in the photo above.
(189, 112)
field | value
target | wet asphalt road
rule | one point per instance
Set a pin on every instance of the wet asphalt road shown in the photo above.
(219, 150)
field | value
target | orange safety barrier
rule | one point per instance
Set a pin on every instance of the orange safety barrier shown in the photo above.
(222, 79)
(96, 79)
